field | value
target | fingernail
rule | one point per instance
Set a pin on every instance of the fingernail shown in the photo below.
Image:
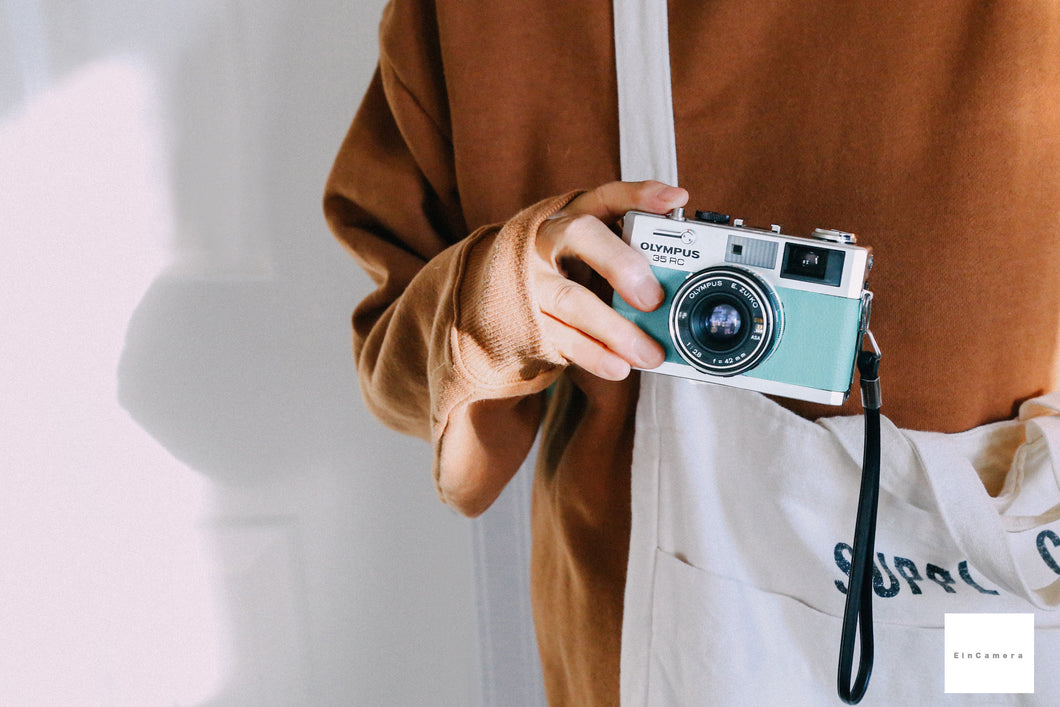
(671, 193)
(649, 354)
(614, 368)
(649, 295)
(652, 296)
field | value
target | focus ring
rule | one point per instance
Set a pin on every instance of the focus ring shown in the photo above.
(752, 320)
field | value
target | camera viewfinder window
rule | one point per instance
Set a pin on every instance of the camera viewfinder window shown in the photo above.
(813, 264)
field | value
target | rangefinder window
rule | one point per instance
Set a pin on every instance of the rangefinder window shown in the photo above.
(813, 264)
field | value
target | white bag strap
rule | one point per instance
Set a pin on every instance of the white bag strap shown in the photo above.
(647, 144)
(970, 515)
(1042, 418)
(1048, 404)
(648, 150)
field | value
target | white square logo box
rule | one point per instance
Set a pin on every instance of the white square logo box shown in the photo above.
(989, 653)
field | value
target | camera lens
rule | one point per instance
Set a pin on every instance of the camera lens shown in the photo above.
(724, 320)
(718, 325)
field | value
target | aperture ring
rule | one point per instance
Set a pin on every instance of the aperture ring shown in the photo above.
(730, 288)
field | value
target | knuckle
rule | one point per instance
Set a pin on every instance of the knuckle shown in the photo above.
(549, 232)
(623, 336)
(565, 297)
(582, 226)
(635, 194)
(645, 188)
(631, 266)
(600, 193)
(630, 271)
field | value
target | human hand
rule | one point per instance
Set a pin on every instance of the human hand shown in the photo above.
(578, 241)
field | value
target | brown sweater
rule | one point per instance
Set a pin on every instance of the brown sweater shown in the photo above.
(932, 129)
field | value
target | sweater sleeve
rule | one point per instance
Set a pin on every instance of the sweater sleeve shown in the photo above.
(448, 346)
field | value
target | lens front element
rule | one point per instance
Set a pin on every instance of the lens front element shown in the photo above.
(725, 320)
(723, 323)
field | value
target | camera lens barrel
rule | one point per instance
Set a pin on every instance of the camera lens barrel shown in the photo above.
(725, 320)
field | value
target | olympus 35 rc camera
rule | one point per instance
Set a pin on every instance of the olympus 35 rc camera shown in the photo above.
(751, 308)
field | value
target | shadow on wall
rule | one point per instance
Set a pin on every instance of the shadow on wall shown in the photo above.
(237, 360)
(240, 380)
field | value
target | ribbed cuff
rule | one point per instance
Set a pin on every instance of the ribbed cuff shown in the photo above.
(497, 339)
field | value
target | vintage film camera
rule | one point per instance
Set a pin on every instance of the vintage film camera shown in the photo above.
(751, 308)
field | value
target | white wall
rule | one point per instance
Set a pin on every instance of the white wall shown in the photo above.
(194, 506)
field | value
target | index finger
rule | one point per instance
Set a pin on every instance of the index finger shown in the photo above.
(611, 201)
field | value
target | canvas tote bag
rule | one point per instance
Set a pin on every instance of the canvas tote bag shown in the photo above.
(743, 513)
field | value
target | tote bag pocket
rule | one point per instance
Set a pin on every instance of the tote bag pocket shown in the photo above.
(695, 610)
(718, 641)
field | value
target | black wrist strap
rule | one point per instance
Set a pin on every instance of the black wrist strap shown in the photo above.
(858, 610)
